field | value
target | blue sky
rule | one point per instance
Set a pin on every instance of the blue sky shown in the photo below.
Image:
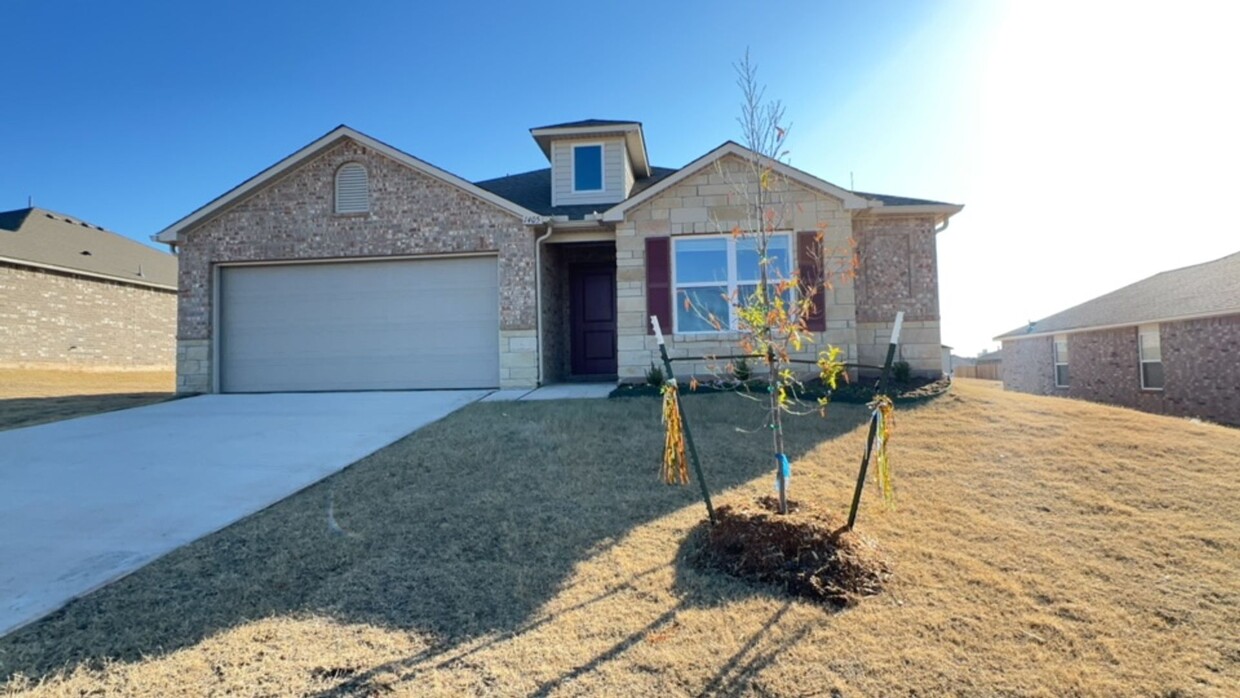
(1091, 145)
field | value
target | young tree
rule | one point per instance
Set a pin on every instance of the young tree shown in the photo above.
(771, 317)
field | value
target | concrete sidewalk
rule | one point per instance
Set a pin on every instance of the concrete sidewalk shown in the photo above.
(88, 500)
(557, 391)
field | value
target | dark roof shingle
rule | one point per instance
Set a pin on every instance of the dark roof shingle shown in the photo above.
(1211, 288)
(588, 122)
(532, 190)
(888, 200)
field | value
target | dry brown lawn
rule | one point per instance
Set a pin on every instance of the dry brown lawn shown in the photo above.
(36, 396)
(1041, 547)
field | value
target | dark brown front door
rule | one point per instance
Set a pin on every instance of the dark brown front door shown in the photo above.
(593, 319)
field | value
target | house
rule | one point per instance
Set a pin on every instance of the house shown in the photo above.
(1169, 344)
(73, 295)
(352, 265)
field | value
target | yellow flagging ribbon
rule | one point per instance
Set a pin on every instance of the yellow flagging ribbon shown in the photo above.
(675, 464)
(884, 412)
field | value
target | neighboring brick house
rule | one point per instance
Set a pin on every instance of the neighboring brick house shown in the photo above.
(1169, 344)
(353, 265)
(73, 295)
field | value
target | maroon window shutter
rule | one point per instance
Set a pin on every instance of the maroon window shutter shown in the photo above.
(659, 283)
(809, 266)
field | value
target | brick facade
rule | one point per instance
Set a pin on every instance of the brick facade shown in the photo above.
(898, 271)
(1201, 359)
(292, 218)
(1201, 363)
(411, 213)
(59, 320)
(1029, 366)
(858, 316)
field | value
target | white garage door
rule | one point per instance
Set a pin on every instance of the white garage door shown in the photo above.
(360, 325)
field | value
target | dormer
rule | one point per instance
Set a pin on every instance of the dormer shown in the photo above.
(594, 161)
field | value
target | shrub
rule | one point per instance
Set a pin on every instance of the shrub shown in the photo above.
(740, 369)
(901, 371)
(654, 375)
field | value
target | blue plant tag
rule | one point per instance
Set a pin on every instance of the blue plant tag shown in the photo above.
(785, 467)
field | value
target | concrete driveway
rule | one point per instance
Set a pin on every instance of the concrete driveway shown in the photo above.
(88, 500)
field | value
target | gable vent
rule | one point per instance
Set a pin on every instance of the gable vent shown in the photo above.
(352, 189)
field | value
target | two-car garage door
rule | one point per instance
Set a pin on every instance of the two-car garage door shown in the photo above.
(381, 325)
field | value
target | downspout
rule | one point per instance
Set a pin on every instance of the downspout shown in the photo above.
(941, 228)
(538, 312)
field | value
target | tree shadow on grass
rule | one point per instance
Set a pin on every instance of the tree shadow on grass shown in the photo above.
(467, 527)
(30, 411)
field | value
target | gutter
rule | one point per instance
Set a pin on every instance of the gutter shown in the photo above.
(538, 305)
(88, 274)
(1119, 325)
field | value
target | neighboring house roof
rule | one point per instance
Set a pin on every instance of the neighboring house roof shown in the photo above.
(1202, 290)
(40, 238)
(533, 191)
(169, 234)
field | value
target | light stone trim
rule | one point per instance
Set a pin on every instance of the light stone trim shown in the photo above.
(518, 359)
(194, 366)
(699, 204)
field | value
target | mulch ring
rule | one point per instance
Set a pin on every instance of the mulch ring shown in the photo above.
(804, 552)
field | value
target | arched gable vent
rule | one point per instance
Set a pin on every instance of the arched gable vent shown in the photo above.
(352, 189)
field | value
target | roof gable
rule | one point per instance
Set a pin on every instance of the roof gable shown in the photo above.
(1201, 290)
(849, 199)
(49, 240)
(170, 234)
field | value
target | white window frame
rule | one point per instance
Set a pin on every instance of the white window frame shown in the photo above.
(602, 167)
(1143, 331)
(732, 282)
(336, 190)
(1055, 359)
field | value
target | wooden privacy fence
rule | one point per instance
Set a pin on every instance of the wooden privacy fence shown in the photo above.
(988, 372)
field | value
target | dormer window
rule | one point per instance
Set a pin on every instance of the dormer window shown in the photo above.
(588, 167)
(352, 189)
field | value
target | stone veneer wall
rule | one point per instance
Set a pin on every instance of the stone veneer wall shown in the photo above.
(293, 218)
(1201, 364)
(898, 271)
(52, 319)
(705, 203)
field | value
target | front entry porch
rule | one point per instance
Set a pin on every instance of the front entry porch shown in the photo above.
(579, 312)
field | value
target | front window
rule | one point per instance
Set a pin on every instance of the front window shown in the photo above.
(1150, 350)
(1061, 361)
(588, 168)
(712, 273)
